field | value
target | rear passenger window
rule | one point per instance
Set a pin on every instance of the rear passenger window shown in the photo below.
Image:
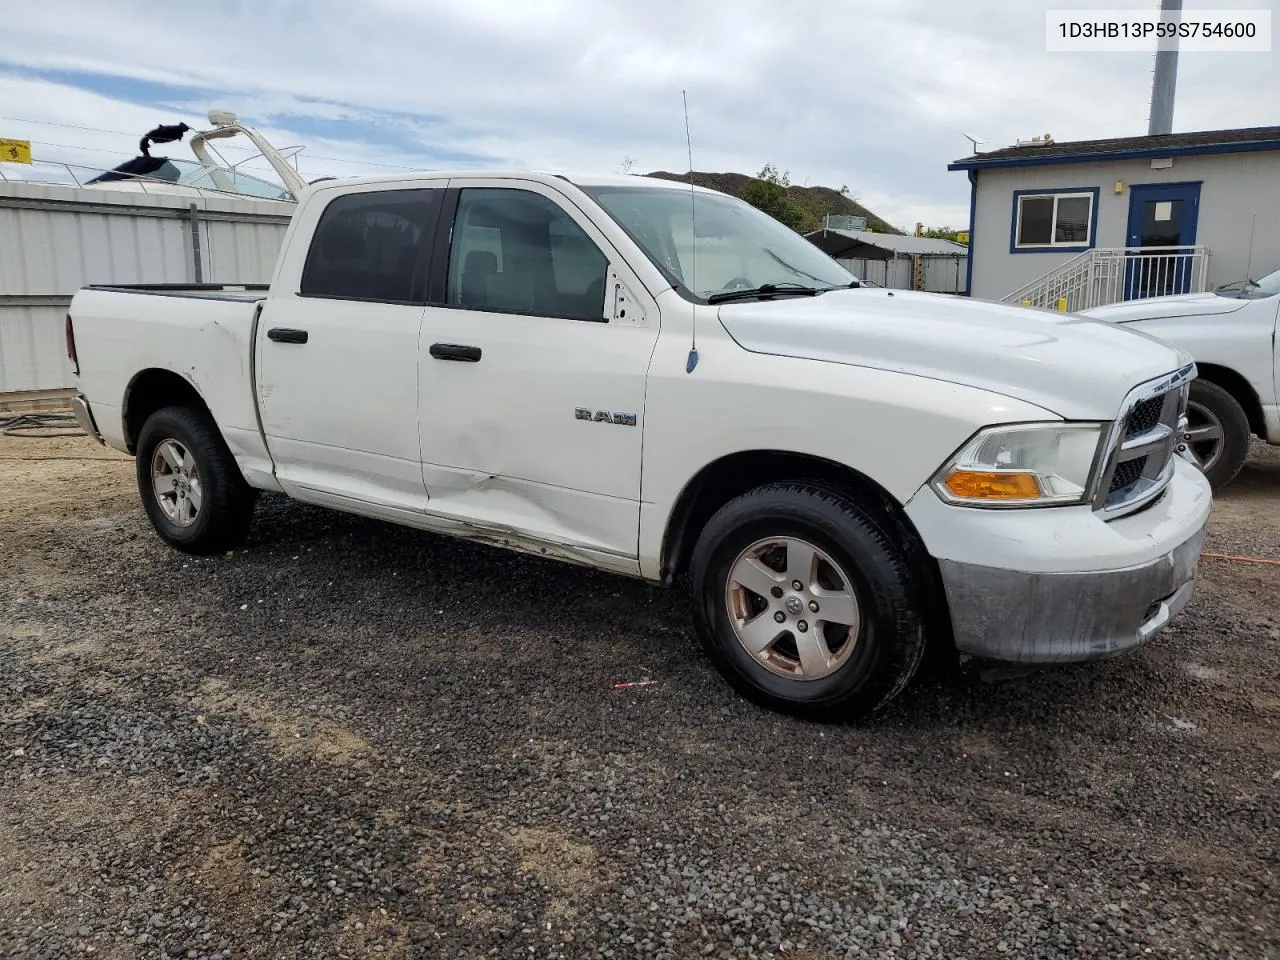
(518, 252)
(367, 245)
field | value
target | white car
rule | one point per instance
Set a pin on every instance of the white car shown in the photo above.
(655, 380)
(1231, 332)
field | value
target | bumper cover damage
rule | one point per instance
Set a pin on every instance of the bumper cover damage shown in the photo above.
(1056, 585)
(1021, 617)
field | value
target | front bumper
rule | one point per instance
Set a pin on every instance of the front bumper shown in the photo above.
(1061, 584)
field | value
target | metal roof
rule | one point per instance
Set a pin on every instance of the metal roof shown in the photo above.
(1241, 140)
(855, 243)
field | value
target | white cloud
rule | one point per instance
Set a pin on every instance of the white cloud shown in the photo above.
(874, 95)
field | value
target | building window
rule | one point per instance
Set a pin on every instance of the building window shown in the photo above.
(1046, 221)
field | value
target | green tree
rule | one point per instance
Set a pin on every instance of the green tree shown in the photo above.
(942, 233)
(768, 192)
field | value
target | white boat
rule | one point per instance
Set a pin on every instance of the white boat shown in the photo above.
(147, 220)
(209, 171)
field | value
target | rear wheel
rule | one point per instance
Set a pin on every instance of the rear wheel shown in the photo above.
(804, 603)
(191, 487)
(1217, 432)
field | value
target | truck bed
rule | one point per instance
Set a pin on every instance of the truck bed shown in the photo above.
(242, 292)
(129, 337)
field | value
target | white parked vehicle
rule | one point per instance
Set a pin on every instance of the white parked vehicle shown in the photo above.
(1231, 333)
(652, 380)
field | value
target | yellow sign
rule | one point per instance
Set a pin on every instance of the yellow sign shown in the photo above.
(15, 151)
(962, 236)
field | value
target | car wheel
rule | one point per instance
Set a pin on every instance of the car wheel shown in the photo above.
(1217, 432)
(192, 490)
(804, 603)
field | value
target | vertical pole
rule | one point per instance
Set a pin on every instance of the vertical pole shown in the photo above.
(1165, 80)
(194, 216)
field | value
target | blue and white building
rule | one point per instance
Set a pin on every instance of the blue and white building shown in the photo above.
(1100, 221)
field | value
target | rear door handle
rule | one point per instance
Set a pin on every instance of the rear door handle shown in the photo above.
(455, 351)
(287, 335)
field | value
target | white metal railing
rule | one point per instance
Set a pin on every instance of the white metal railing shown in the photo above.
(79, 175)
(1112, 274)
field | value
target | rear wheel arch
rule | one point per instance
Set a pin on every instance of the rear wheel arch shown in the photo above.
(151, 390)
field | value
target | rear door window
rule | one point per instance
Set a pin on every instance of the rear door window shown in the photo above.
(370, 246)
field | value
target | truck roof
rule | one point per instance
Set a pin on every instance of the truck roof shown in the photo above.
(579, 178)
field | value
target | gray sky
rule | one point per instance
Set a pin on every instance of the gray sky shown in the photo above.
(872, 95)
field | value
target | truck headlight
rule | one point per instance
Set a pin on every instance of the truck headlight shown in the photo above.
(1023, 465)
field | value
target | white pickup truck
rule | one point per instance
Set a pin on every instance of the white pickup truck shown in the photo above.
(653, 380)
(1231, 333)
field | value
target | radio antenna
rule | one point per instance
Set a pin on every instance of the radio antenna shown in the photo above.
(693, 242)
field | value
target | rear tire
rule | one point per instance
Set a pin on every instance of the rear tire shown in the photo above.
(794, 649)
(192, 490)
(1217, 418)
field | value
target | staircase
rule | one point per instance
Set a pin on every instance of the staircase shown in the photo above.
(1111, 274)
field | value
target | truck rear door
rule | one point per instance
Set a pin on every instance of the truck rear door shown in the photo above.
(337, 350)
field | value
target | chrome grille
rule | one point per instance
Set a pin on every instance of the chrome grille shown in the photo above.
(1142, 444)
(1144, 416)
(1127, 474)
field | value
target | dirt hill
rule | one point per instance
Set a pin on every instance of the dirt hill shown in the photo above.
(816, 202)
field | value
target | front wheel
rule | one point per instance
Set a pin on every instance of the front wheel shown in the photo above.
(1217, 431)
(192, 490)
(804, 603)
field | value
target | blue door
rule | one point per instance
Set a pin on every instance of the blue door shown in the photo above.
(1162, 216)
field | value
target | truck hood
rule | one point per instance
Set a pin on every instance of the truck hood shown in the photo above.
(1073, 366)
(1151, 308)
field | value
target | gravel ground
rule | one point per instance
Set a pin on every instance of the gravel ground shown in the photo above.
(350, 740)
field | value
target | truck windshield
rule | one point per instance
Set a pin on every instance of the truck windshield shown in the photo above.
(1269, 285)
(1251, 289)
(737, 247)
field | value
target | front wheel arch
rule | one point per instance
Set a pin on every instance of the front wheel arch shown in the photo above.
(732, 475)
(1215, 410)
(1240, 389)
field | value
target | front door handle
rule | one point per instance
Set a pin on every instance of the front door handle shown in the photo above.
(287, 335)
(455, 351)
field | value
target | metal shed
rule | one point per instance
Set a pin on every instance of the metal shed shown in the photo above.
(55, 238)
(897, 261)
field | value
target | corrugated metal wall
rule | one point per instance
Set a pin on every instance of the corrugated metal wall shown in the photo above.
(54, 239)
(941, 274)
(944, 274)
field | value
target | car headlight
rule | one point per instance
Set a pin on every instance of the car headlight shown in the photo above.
(1023, 465)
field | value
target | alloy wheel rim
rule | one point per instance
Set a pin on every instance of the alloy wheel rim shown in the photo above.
(792, 608)
(176, 482)
(1204, 434)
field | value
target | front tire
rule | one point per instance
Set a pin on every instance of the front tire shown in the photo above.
(1217, 431)
(805, 604)
(192, 490)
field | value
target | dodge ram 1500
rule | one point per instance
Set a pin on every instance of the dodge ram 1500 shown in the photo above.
(657, 380)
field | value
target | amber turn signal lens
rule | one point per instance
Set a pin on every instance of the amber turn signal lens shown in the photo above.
(993, 485)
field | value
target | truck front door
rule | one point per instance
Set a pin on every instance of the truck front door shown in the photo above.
(532, 376)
